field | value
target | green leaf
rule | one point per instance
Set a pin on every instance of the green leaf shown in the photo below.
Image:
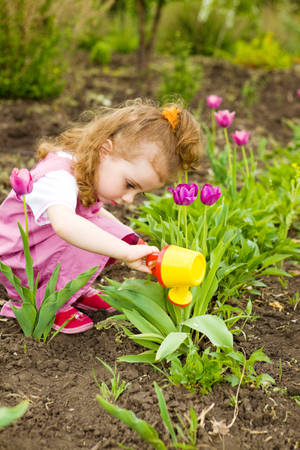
(273, 260)
(149, 309)
(51, 285)
(170, 344)
(144, 429)
(274, 271)
(142, 324)
(212, 327)
(146, 357)
(149, 337)
(164, 412)
(23, 292)
(26, 317)
(9, 414)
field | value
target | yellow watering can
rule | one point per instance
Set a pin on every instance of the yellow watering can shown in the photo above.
(178, 268)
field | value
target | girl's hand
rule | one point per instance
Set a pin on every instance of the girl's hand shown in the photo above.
(136, 257)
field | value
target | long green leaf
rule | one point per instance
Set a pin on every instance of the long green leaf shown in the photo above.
(201, 303)
(164, 412)
(146, 357)
(142, 324)
(170, 344)
(149, 309)
(51, 285)
(212, 327)
(144, 429)
(23, 292)
(26, 317)
(10, 414)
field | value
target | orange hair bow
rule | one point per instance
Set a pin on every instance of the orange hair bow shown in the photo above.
(171, 115)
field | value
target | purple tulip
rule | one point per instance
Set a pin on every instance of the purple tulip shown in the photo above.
(213, 101)
(224, 118)
(184, 194)
(298, 92)
(21, 181)
(210, 194)
(241, 137)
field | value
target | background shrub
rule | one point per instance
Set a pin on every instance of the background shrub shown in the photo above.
(31, 63)
(101, 53)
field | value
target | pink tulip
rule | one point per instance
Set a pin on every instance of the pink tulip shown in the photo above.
(213, 101)
(21, 181)
(298, 92)
(210, 194)
(184, 194)
(241, 137)
(224, 118)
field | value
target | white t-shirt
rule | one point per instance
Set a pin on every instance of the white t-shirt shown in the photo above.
(57, 187)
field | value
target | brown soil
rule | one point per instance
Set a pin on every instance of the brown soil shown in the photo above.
(57, 378)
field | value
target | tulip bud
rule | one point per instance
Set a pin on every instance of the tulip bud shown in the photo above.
(184, 194)
(210, 194)
(21, 181)
(213, 101)
(224, 118)
(241, 137)
(298, 92)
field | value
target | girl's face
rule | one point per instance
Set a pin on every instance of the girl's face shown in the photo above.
(118, 181)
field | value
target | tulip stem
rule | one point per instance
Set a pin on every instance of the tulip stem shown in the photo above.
(26, 218)
(186, 177)
(185, 226)
(179, 225)
(204, 232)
(234, 172)
(213, 126)
(228, 150)
(245, 161)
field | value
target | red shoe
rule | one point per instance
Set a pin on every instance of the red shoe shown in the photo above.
(93, 302)
(78, 324)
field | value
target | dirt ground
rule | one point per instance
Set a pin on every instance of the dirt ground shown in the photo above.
(57, 378)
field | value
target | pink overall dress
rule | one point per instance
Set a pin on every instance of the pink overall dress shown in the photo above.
(46, 247)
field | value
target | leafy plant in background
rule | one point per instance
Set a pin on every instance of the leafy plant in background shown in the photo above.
(10, 414)
(101, 53)
(182, 78)
(31, 45)
(262, 52)
(34, 322)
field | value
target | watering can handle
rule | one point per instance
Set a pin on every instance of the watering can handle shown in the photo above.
(152, 258)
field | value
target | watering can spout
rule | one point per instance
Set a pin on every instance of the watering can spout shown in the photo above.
(178, 268)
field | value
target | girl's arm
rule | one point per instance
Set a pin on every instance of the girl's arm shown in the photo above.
(82, 233)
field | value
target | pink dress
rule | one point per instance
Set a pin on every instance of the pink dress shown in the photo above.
(46, 247)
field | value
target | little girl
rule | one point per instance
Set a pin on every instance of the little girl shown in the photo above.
(120, 153)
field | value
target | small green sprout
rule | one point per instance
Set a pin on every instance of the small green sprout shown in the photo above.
(117, 386)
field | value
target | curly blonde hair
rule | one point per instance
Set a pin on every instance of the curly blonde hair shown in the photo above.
(127, 126)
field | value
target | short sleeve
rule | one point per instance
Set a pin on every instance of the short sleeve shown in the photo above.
(55, 188)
